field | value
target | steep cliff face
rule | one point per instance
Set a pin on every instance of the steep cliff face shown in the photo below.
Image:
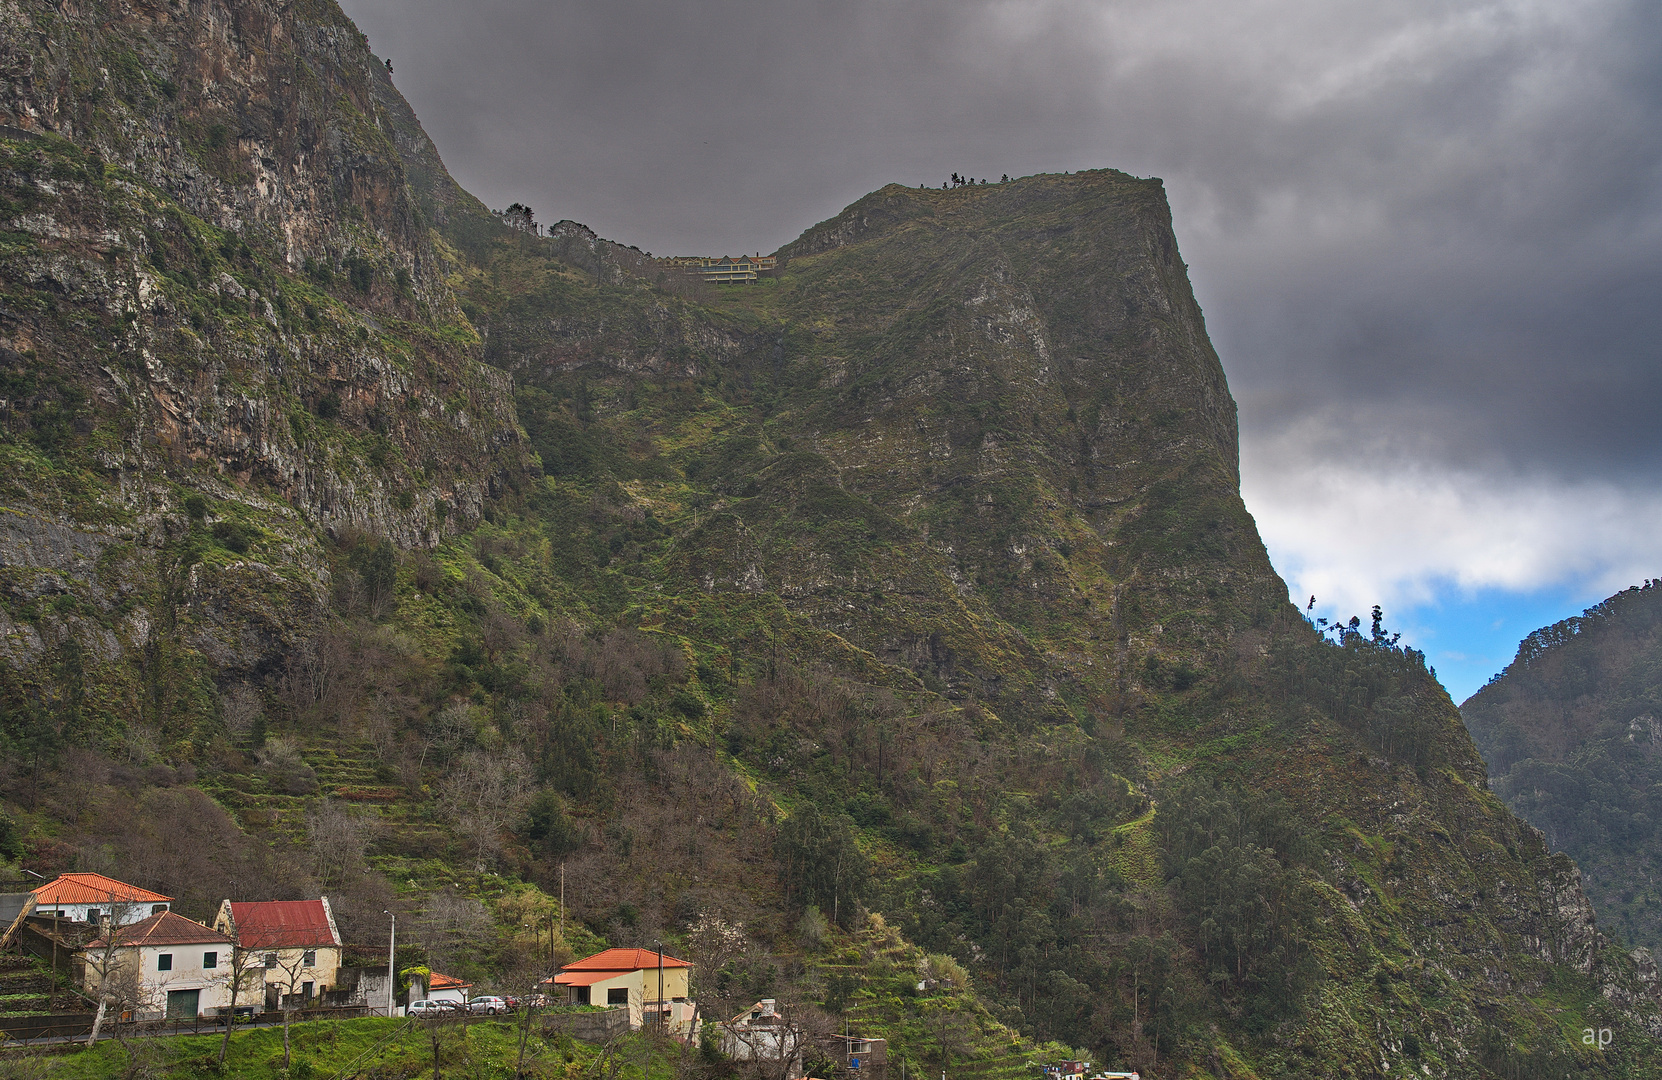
(222, 329)
(972, 454)
(934, 543)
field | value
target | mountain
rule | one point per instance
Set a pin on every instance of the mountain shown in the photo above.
(894, 621)
(1571, 735)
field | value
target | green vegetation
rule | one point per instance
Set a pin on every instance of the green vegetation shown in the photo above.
(1571, 735)
(890, 639)
(371, 1047)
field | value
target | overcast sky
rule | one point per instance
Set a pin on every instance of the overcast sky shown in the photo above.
(1427, 234)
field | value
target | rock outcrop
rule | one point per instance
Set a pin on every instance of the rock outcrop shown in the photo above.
(218, 285)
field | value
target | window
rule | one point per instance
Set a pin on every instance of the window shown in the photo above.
(582, 995)
(210, 959)
(306, 990)
(310, 959)
(157, 909)
(270, 960)
(164, 961)
(617, 995)
(94, 915)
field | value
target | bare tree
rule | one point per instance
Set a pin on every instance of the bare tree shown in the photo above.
(441, 1029)
(118, 980)
(483, 792)
(239, 967)
(448, 731)
(338, 836)
(290, 964)
(500, 633)
(712, 944)
(381, 726)
(241, 708)
(951, 1025)
(315, 668)
(452, 925)
(613, 1059)
(776, 1047)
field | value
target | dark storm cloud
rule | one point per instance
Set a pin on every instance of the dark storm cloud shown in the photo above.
(1428, 235)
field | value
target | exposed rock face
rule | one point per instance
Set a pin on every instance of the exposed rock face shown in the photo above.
(972, 452)
(217, 281)
(976, 442)
(254, 116)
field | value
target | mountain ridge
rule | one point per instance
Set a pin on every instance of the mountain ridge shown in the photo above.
(925, 561)
(1569, 732)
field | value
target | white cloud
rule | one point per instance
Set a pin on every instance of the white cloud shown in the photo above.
(1356, 530)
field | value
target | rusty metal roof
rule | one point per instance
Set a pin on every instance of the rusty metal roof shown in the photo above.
(283, 924)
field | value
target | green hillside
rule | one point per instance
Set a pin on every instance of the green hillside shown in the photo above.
(893, 622)
(1574, 747)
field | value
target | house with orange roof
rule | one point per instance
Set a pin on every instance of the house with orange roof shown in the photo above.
(162, 966)
(297, 942)
(653, 986)
(447, 988)
(94, 898)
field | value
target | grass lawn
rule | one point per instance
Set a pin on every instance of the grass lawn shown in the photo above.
(371, 1049)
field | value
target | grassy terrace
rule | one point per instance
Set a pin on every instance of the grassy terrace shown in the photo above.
(378, 1047)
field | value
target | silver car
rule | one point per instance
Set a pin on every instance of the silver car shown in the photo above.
(486, 1006)
(430, 1009)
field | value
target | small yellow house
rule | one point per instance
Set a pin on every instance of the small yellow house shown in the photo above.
(295, 942)
(632, 978)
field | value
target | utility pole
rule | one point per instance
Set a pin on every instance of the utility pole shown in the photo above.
(392, 947)
(562, 897)
(661, 1026)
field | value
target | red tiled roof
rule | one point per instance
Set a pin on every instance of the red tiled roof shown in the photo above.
(282, 924)
(168, 928)
(446, 982)
(624, 960)
(585, 978)
(93, 889)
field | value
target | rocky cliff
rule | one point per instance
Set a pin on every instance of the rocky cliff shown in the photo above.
(222, 320)
(914, 581)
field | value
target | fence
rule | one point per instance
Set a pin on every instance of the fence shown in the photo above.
(59, 1026)
(597, 1026)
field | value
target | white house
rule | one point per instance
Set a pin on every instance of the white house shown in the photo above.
(165, 966)
(93, 898)
(762, 1034)
(447, 988)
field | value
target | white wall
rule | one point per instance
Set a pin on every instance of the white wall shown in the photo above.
(187, 973)
(124, 914)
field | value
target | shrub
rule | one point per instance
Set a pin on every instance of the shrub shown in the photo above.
(233, 536)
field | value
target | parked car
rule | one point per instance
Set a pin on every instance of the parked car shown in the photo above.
(488, 1005)
(431, 1009)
